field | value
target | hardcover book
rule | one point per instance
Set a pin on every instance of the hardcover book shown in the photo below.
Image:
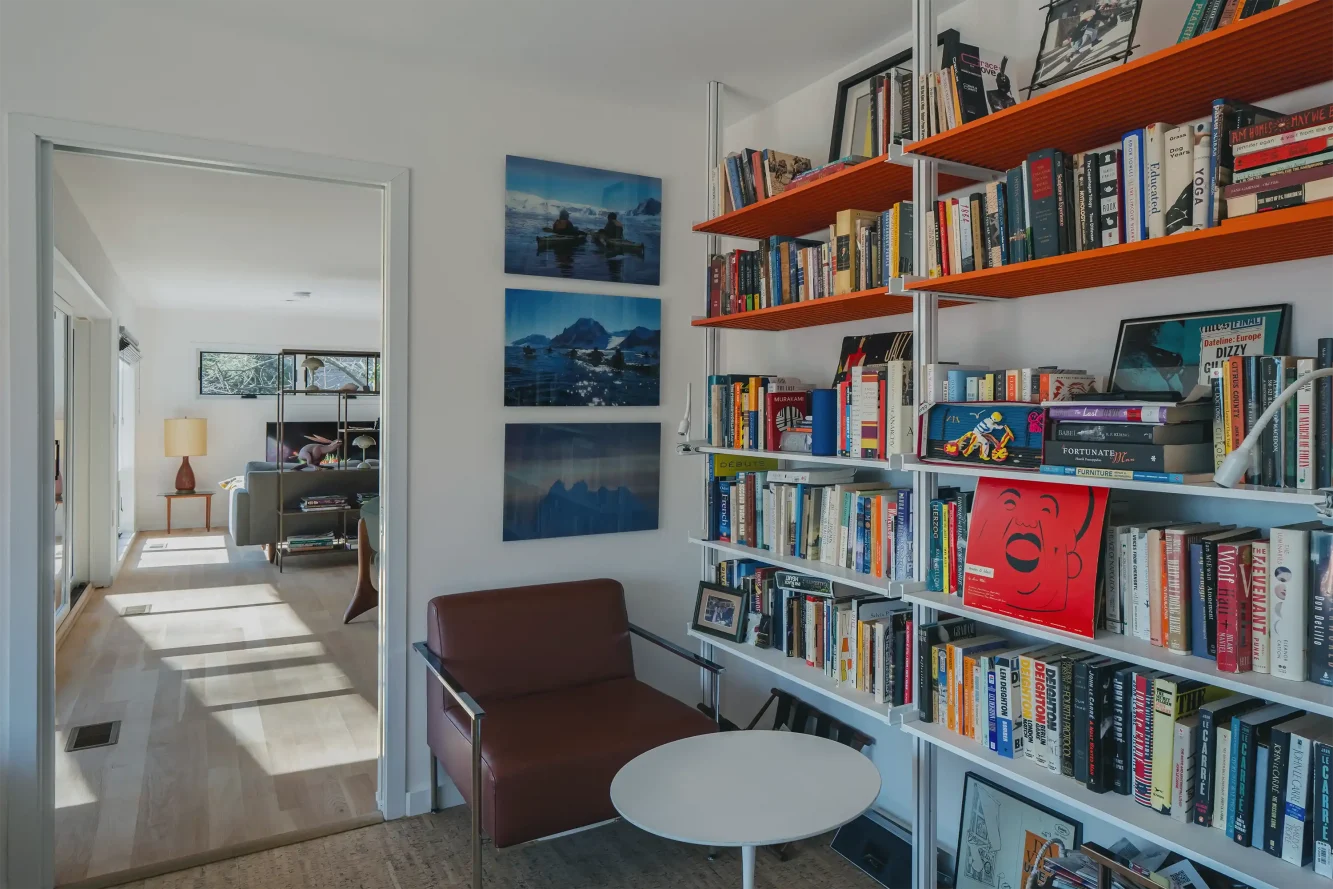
(1045, 203)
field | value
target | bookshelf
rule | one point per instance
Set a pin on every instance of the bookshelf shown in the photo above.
(1275, 52)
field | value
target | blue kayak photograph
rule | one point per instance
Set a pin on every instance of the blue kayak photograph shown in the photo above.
(567, 221)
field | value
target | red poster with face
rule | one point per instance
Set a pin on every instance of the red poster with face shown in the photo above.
(1032, 552)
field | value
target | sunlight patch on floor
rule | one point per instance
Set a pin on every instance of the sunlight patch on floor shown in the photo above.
(263, 654)
(200, 541)
(185, 630)
(246, 686)
(199, 598)
(183, 558)
(314, 733)
(72, 788)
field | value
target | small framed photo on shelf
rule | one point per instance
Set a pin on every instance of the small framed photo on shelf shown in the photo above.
(1081, 35)
(851, 113)
(1002, 836)
(720, 611)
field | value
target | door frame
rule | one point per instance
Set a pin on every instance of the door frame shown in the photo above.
(27, 638)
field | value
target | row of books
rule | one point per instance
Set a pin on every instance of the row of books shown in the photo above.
(952, 382)
(949, 513)
(1178, 746)
(744, 411)
(323, 502)
(1206, 16)
(1249, 601)
(970, 84)
(1295, 449)
(1280, 160)
(876, 416)
(864, 641)
(304, 543)
(745, 177)
(822, 515)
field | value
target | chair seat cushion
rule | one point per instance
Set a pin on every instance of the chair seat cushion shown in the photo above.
(548, 758)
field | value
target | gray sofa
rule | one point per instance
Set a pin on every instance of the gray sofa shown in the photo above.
(253, 512)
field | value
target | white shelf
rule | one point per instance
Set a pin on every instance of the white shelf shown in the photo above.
(812, 678)
(1240, 492)
(1306, 695)
(1206, 845)
(893, 464)
(805, 566)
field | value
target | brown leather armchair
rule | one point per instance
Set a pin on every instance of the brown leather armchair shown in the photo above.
(548, 671)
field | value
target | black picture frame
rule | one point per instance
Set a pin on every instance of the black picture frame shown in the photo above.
(1053, 18)
(1075, 825)
(845, 87)
(1280, 345)
(738, 614)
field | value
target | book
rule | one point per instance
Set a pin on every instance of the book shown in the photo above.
(1142, 752)
(1166, 478)
(1322, 808)
(1131, 153)
(1233, 607)
(1320, 648)
(1248, 731)
(1304, 147)
(1110, 198)
(1016, 250)
(1323, 417)
(1043, 172)
(928, 636)
(1282, 196)
(1222, 800)
(1122, 730)
(1299, 120)
(1178, 180)
(1183, 767)
(1259, 606)
(1137, 412)
(1214, 720)
(1155, 200)
(1172, 699)
(1132, 433)
(1288, 581)
(1297, 824)
(1098, 732)
(1184, 458)
(848, 249)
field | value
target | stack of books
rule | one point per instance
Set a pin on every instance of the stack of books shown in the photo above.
(820, 514)
(749, 176)
(863, 641)
(1142, 441)
(1282, 162)
(323, 502)
(304, 543)
(949, 381)
(949, 513)
(824, 170)
(1209, 15)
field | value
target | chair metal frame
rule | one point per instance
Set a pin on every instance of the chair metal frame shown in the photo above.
(476, 713)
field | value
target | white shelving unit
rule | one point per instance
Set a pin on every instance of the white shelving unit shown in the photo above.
(805, 566)
(893, 464)
(808, 677)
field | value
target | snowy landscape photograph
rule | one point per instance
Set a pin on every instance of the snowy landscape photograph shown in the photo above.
(567, 221)
(581, 349)
(572, 479)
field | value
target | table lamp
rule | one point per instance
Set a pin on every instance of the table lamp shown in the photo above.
(186, 437)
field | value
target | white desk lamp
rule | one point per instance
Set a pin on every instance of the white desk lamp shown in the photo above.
(1237, 462)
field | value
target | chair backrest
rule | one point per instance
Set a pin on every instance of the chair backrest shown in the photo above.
(523, 640)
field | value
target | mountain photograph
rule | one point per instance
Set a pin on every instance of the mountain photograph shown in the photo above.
(581, 349)
(574, 479)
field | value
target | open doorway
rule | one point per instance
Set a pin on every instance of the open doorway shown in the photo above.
(250, 715)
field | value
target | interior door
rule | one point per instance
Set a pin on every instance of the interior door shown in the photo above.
(126, 411)
(62, 333)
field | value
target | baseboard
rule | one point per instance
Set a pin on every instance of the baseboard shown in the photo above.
(134, 874)
(418, 801)
(71, 617)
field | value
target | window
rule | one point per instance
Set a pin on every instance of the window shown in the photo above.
(339, 370)
(241, 373)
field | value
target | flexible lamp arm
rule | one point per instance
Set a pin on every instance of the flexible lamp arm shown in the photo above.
(1233, 467)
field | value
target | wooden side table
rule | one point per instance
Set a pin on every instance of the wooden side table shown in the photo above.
(208, 506)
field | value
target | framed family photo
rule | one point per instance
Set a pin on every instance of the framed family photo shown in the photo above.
(720, 611)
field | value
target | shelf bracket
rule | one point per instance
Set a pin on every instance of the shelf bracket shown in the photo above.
(898, 287)
(902, 154)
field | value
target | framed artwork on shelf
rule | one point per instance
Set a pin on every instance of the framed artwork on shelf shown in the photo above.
(581, 349)
(1169, 356)
(720, 611)
(574, 479)
(1080, 35)
(1002, 836)
(851, 110)
(567, 221)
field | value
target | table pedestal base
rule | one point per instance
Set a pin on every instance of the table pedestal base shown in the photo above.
(747, 867)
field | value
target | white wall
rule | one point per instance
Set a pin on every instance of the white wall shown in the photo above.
(1076, 329)
(127, 66)
(169, 387)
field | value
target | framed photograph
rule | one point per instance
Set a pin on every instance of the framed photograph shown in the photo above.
(851, 113)
(581, 349)
(566, 221)
(1000, 836)
(720, 611)
(573, 479)
(1081, 35)
(1171, 355)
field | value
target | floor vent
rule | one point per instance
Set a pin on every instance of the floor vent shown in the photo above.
(137, 609)
(99, 734)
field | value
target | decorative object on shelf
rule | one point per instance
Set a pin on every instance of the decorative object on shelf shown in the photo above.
(313, 454)
(567, 221)
(572, 479)
(1002, 434)
(297, 433)
(348, 387)
(720, 611)
(852, 109)
(581, 349)
(1032, 552)
(363, 442)
(1000, 834)
(1171, 355)
(310, 365)
(185, 437)
(1081, 35)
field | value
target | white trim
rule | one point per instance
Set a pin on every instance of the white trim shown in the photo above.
(27, 674)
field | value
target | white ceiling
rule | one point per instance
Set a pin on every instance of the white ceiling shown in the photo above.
(658, 52)
(193, 238)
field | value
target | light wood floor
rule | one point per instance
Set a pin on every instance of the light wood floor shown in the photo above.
(248, 708)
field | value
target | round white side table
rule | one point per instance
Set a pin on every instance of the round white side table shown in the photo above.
(747, 789)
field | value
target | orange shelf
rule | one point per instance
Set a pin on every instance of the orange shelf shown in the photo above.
(857, 306)
(1284, 49)
(1276, 236)
(875, 184)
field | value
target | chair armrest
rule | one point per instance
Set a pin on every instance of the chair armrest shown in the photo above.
(697, 659)
(451, 685)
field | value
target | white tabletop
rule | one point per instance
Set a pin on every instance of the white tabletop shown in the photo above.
(745, 788)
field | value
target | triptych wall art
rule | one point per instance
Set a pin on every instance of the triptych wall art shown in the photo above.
(570, 349)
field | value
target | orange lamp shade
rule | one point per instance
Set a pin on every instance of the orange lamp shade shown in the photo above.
(185, 437)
